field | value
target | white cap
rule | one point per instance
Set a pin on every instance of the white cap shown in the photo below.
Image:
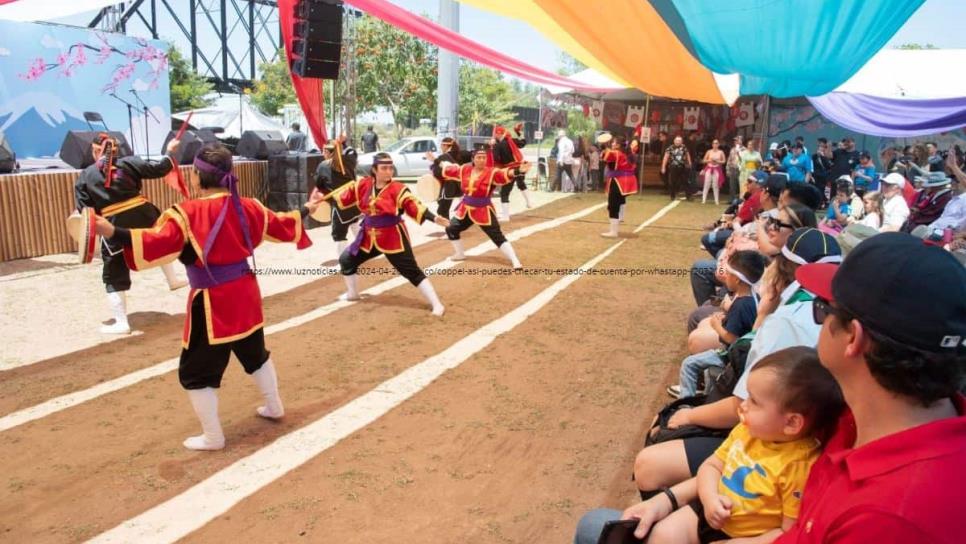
(561, 133)
(895, 179)
(773, 146)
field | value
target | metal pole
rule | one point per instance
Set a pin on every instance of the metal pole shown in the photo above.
(448, 80)
(540, 129)
(647, 111)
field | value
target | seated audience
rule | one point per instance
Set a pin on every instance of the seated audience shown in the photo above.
(894, 207)
(931, 200)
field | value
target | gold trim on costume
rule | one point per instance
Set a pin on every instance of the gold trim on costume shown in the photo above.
(124, 206)
(137, 243)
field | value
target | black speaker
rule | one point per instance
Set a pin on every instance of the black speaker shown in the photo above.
(292, 172)
(191, 143)
(8, 159)
(317, 44)
(76, 149)
(260, 144)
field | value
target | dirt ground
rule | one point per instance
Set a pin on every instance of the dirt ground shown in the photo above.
(511, 446)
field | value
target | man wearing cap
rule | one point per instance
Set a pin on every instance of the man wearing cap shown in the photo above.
(844, 159)
(894, 468)
(798, 165)
(895, 211)
(336, 170)
(930, 201)
(565, 159)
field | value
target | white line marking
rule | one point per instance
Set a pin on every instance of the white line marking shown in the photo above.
(46, 408)
(212, 497)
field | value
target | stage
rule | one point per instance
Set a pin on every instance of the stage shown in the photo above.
(35, 202)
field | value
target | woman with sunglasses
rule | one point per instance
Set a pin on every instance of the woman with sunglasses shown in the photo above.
(775, 229)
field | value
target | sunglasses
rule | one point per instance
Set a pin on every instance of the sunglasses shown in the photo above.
(822, 308)
(773, 223)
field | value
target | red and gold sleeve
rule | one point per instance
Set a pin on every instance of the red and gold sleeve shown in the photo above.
(411, 205)
(283, 227)
(346, 196)
(453, 172)
(158, 245)
(502, 176)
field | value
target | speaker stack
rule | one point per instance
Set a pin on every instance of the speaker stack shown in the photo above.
(261, 144)
(291, 178)
(76, 149)
(191, 143)
(8, 159)
(317, 41)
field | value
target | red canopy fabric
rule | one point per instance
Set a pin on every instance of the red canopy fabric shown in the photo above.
(308, 90)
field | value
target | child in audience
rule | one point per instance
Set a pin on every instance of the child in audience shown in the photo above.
(872, 203)
(864, 175)
(837, 217)
(742, 272)
(752, 486)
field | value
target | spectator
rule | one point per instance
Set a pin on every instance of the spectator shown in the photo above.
(677, 164)
(715, 240)
(565, 161)
(837, 217)
(370, 141)
(844, 158)
(750, 160)
(822, 169)
(734, 166)
(934, 159)
(894, 207)
(776, 230)
(853, 235)
(804, 193)
(295, 141)
(580, 164)
(872, 205)
(593, 163)
(798, 165)
(864, 176)
(713, 173)
(898, 456)
(931, 200)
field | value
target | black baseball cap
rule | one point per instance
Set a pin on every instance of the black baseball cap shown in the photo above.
(899, 287)
(775, 184)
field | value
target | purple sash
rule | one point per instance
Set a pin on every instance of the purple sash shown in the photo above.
(608, 173)
(477, 201)
(375, 221)
(216, 274)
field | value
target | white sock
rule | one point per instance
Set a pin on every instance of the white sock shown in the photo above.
(458, 254)
(353, 230)
(267, 382)
(339, 248)
(351, 287)
(620, 213)
(614, 227)
(505, 210)
(507, 250)
(205, 403)
(117, 302)
(526, 197)
(426, 288)
(174, 282)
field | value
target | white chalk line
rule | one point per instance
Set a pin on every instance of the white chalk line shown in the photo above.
(63, 402)
(212, 497)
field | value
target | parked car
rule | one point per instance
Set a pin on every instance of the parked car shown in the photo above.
(409, 154)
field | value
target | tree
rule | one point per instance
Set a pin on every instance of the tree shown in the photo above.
(916, 46)
(569, 65)
(395, 70)
(485, 98)
(274, 89)
(187, 88)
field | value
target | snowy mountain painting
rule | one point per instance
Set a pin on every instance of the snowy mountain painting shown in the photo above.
(50, 75)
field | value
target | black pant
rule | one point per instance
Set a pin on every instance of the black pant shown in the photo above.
(561, 168)
(115, 273)
(404, 261)
(340, 230)
(457, 225)
(203, 364)
(521, 184)
(678, 178)
(614, 200)
(443, 206)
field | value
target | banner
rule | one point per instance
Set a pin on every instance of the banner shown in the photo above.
(690, 121)
(597, 112)
(746, 115)
(614, 113)
(635, 116)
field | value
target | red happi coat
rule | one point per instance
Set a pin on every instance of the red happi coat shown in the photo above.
(393, 199)
(617, 160)
(477, 185)
(233, 310)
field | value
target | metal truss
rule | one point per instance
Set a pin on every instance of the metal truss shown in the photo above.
(227, 39)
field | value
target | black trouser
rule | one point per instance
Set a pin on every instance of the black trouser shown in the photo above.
(115, 273)
(404, 262)
(678, 178)
(443, 206)
(340, 230)
(203, 364)
(457, 225)
(505, 189)
(558, 180)
(614, 200)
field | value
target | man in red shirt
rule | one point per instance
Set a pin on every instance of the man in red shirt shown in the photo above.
(894, 336)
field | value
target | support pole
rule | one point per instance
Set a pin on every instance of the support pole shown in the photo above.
(448, 82)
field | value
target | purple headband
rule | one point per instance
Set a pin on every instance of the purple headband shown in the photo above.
(228, 179)
(383, 160)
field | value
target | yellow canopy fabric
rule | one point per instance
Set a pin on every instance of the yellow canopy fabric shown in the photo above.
(627, 40)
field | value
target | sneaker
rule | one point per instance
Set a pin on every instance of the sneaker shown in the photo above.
(674, 391)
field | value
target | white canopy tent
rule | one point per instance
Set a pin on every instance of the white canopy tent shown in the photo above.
(911, 73)
(231, 114)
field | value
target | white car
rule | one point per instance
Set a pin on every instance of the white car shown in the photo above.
(408, 156)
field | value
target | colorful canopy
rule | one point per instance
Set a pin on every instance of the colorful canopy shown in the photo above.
(676, 48)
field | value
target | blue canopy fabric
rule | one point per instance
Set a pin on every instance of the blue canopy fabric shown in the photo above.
(785, 48)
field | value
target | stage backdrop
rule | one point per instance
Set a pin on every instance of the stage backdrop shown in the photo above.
(51, 74)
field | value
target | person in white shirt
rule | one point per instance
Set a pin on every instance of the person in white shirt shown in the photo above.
(895, 210)
(565, 160)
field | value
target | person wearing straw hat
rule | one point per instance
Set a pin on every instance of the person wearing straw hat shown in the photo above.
(112, 187)
(337, 169)
(930, 201)
(477, 181)
(506, 154)
(621, 180)
(383, 201)
(214, 236)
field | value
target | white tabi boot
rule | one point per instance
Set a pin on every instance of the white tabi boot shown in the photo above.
(426, 288)
(351, 287)
(507, 250)
(612, 233)
(526, 197)
(504, 212)
(117, 301)
(458, 254)
(205, 403)
(339, 248)
(267, 382)
(620, 213)
(174, 282)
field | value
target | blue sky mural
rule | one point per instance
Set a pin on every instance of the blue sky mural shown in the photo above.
(51, 74)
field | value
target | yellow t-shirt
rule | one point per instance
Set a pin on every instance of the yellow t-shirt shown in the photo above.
(764, 480)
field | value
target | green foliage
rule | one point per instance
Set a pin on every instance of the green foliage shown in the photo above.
(578, 125)
(274, 89)
(485, 98)
(916, 46)
(187, 88)
(396, 70)
(569, 65)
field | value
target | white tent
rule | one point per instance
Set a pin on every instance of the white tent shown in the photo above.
(915, 73)
(233, 115)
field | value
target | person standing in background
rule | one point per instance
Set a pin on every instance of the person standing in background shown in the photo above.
(370, 141)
